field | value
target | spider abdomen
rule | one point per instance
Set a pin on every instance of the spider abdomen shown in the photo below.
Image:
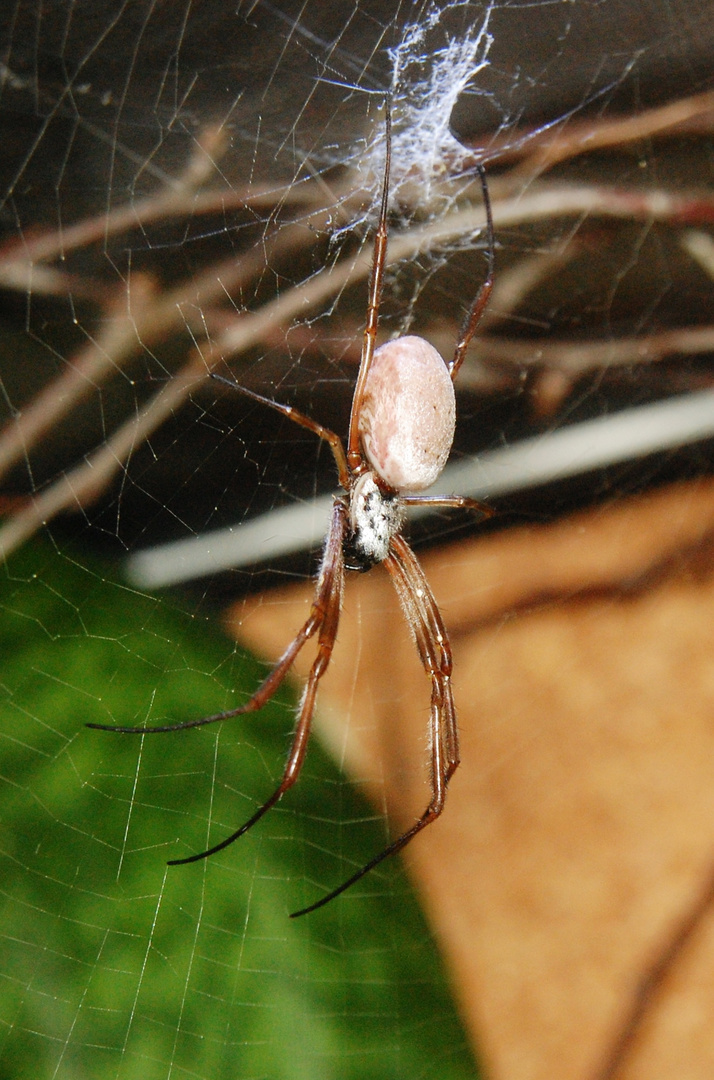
(408, 414)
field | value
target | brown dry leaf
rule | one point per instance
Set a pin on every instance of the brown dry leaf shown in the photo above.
(578, 833)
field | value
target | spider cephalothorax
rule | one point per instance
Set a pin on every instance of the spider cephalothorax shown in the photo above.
(375, 517)
(400, 435)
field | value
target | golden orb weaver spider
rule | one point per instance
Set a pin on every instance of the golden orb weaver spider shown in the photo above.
(400, 434)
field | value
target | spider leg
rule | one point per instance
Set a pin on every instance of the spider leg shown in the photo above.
(334, 441)
(473, 316)
(262, 695)
(433, 645)
(324, 616)
(354, 454)
(426, 623)
(456, 502)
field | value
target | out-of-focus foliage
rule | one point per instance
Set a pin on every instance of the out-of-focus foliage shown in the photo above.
(116, 965)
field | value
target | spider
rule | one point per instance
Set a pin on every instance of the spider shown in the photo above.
(400, 434)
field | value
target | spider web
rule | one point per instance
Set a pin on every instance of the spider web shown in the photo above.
(175, 181)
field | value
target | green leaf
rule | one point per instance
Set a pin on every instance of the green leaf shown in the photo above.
(115, 965)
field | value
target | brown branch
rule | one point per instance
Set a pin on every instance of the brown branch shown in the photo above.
(176, 198)
(574, 358)
(652, 981)
(79, 487)
(542, 148)
(19, 260)
(183, 307)
(140, 319)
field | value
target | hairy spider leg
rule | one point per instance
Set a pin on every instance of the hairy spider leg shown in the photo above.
(324, 617)
(415, 595)
(422, 614)
(453, 502)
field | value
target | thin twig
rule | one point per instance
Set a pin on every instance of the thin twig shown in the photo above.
(574, 357)
(145, 318)
(81, 485)
(22, 262)
(542, 148)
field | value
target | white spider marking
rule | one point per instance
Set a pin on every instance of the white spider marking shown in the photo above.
(375, 517)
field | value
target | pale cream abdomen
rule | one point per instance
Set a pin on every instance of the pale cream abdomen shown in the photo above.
(408, 414)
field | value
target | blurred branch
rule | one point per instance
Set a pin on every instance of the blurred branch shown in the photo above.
(138, 314)
(540, 149)
(576, 358)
